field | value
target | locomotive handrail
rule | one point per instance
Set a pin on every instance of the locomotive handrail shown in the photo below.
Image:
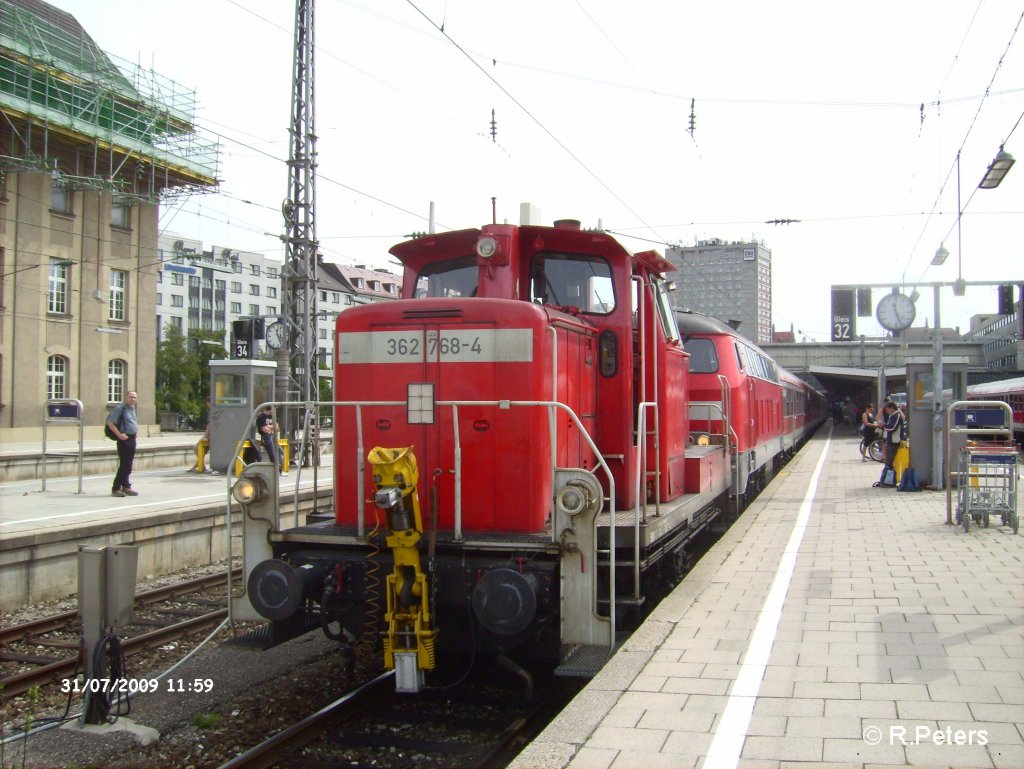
(640, 511)
(600, 461)
(551, 406)
(734, 463)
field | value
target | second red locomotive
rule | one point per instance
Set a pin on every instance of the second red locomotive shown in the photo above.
(548, 437)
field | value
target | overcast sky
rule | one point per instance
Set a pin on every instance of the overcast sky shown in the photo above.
(845, 116)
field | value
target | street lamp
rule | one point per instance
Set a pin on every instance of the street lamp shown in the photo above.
(997, 169)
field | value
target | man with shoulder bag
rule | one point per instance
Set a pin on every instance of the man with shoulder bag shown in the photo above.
(123, 422)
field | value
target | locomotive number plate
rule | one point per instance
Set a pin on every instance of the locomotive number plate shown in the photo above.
(475, 345)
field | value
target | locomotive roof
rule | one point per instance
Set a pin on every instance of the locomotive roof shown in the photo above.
(691, 322)
(418, 251)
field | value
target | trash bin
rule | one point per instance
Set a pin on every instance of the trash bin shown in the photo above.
(168, 420)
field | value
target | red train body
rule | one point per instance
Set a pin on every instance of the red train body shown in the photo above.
(573, 434)
(1010, 392)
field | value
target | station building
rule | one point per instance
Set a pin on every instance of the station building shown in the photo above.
(90, 146)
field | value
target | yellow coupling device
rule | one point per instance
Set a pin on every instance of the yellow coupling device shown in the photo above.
(410, 637)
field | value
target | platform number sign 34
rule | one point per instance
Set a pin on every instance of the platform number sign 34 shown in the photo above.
(844, 317)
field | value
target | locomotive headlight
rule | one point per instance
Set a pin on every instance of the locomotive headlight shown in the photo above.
(249, 489)
(486, 247)
(572, 500)
(577, 492)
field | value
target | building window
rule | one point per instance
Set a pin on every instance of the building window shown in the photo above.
(176, 321)
(193, 302)
(236, 267)
(254, 290)
(236, 308)
(271, 272)
(115, 381)
(119, 214)
(255, 270)
(271, 310)
(159, 301)
(323, 333)
(177, 301)
(60, 197)
(236, 287)
(194, 281)
(220, 285)
(178, 279)
(254, 310)
(57, 288)
(56, 377)
(271, 292)
(118, 294)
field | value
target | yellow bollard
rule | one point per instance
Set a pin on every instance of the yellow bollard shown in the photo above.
(284, 453)
(202, 446)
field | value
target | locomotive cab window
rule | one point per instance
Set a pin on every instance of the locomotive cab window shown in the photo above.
(703, 357)
(451, 278)
(573, 280)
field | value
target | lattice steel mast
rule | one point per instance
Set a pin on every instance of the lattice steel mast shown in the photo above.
(297, 359)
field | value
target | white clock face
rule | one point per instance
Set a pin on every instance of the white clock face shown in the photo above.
(895, 312)
(276, 335)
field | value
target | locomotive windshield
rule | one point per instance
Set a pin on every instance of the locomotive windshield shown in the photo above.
(450, 278)
(572, 280)
(703, 357)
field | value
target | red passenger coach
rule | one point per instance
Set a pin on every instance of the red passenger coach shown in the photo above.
(526, 449)
(769, 410)
(1010, 392)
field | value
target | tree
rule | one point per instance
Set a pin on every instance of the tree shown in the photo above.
(176, 373)
(183, 372)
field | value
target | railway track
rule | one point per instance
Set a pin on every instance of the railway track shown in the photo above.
(473, 727)
(59, 632)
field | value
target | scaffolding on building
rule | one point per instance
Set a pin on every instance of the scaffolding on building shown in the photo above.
(92, 119)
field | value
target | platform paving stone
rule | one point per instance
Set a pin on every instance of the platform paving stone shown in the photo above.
(893, 623)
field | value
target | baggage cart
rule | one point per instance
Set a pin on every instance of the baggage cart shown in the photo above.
(988, 486)
(986, 471)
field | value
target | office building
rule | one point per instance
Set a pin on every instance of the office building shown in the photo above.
(730, 281)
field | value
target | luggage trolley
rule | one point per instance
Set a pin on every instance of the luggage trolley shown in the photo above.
(986, 476)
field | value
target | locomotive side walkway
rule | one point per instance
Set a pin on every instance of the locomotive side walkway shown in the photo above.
(834, 624)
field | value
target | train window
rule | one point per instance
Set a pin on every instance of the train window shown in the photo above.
(573, 281)
(451, 278)
(668, 318)
(741, 357)
(703, 356)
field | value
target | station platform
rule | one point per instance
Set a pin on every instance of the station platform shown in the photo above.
(178, 520)
(835, 624)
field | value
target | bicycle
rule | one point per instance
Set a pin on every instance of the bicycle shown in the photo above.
(874, 449)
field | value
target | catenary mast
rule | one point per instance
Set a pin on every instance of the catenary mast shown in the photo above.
(297, 358)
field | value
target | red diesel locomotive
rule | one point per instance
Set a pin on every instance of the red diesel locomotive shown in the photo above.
(525, 447)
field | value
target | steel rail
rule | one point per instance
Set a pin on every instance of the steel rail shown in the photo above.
(300, 734)
(61, 620)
